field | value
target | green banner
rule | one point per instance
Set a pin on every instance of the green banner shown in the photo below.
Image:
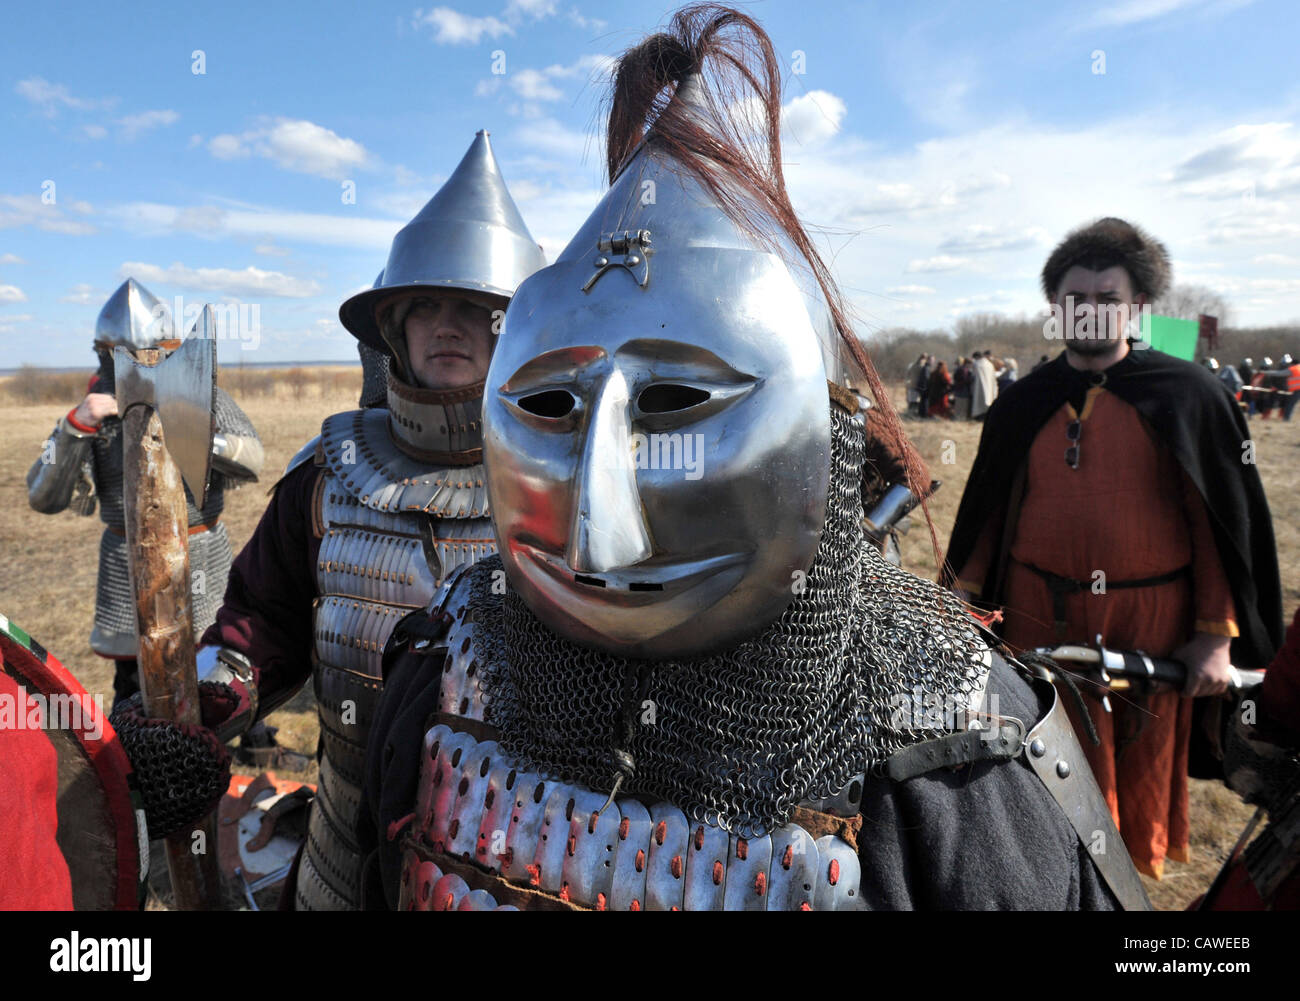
(1172, 336)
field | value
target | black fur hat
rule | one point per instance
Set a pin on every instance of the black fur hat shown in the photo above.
(1104, 244)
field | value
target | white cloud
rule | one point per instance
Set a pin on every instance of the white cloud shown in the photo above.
(451, 27)
(979, 239)
(910, 290)
(297, 145)
(1136, 11)
(136, 125)
(29, 210)
(94, 131)
(11, 259)
(535, 9)
(83, 294)
(532, 85)
(271, 250)
(589, 23)
(249, 281)
(257, 223)
(10, 294)
(51, 97)
(940, 262)
(813, 117)
(1280, 260)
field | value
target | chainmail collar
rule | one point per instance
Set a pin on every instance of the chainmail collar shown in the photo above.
(439, 426)
(866, 660)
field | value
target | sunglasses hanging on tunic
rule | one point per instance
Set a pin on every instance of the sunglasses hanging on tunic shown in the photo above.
(1072, 432)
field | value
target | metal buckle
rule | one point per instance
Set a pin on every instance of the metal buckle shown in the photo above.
(627, 249)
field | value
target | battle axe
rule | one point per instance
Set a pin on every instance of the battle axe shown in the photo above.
(165, 403)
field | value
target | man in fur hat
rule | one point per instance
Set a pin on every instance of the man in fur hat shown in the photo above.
(1115, 495)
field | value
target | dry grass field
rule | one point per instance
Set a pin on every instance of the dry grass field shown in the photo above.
(48, 580)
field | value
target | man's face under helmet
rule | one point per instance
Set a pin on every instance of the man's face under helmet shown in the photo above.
(450, 273)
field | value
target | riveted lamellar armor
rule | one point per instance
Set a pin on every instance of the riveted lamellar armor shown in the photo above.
(403, 495)
(394, 525)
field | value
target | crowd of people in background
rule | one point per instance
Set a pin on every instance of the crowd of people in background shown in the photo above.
(963, 393)
(968, 389)
(1261, 390)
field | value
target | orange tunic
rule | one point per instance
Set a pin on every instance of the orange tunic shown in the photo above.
(1130, 512)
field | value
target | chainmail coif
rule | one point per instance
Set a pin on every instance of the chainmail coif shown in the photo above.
(739, 738)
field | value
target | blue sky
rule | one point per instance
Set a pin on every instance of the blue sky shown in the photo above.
(942, 148)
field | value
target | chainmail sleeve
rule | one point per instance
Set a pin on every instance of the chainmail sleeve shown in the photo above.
(56, 474)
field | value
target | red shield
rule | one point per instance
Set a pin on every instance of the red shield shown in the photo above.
(101, 829)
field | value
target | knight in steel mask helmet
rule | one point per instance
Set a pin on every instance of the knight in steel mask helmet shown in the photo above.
(657, 425)
(691, 687)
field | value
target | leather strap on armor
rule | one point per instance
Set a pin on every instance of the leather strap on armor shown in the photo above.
(1053, 752)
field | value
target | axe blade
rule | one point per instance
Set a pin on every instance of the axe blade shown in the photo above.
(182, 389)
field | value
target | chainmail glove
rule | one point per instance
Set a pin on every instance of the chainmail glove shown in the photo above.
(1254, 768)
(182, 768)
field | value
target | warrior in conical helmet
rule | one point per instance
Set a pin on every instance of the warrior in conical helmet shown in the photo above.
(374, 514)
(688, 681)
(81, 468)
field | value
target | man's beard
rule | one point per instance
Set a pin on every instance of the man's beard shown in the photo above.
(1093, 345)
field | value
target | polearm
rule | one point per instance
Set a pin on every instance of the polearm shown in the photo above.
(166, 402)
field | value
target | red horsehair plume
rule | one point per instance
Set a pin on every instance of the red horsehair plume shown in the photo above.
(735, 153)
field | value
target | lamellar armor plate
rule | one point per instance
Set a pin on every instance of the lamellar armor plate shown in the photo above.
(393, 528)
(489, 836)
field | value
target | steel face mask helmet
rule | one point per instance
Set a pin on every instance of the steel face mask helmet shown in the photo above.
(657, 426)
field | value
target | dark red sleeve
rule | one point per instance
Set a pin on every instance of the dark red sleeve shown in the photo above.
(267, 611)
(33, 873)
(1280, 694)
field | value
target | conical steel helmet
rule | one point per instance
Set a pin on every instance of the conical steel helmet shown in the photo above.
(132, 318)
(469, 236)
(657, 423)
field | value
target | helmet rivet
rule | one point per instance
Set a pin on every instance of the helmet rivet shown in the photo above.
(1037, 748)
(600, 262)
(633, 260)
(1063, 769)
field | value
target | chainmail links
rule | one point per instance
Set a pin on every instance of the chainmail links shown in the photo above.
(183, 769)
(865, 660)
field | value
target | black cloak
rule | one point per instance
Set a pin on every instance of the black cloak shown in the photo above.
(1195, 416)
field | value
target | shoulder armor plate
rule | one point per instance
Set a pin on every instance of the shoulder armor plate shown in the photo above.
(362, 454)
(302, 455)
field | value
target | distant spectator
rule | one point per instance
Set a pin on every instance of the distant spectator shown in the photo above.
(940, 387)
(909, 381)
(984, 386)
(923, 386)
(1008, 375)
(961, 380)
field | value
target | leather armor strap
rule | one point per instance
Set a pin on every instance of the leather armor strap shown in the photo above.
(1053, 752)
(999, 744)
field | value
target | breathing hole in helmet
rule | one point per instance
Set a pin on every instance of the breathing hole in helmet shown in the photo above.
(667, 397)
(644, 586)
(554, 404)
(584, 579)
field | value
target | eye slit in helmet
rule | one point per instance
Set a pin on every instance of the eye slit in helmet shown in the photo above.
(667, 397)
(554, 403)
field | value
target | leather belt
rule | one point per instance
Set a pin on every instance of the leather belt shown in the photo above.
(1059, 586)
